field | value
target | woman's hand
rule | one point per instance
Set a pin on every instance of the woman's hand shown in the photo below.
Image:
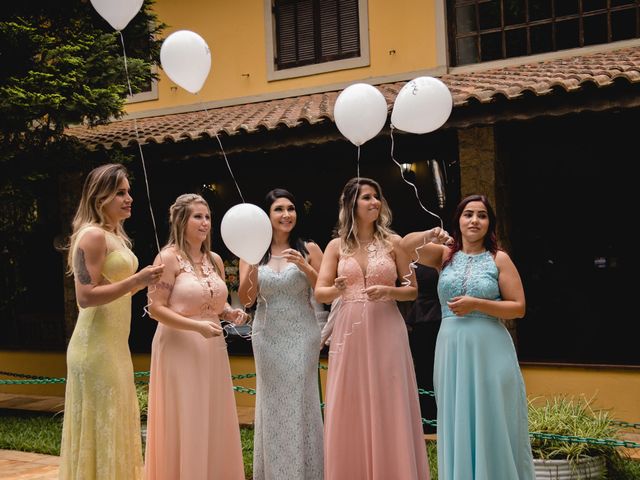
(461, 306)
(340, 283)
(209, 329)
(439, 236)
(237, 316)
(149, 275)
(377, 292)
(294, 256)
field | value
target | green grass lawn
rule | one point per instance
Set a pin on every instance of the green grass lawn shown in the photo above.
(40, 433)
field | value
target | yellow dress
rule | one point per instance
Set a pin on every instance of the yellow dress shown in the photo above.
(101, 432)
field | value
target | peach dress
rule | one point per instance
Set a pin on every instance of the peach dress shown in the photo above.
(373, 428)
(192, 429)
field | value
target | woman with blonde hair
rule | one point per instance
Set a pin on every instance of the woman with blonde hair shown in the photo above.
(372, 417)
(101, 432)
(192, 428)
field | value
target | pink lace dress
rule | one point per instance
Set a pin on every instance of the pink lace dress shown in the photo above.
(192, 428)
(373, 428)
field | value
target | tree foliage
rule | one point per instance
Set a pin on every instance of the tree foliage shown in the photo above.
(63, 64)
(60, 64)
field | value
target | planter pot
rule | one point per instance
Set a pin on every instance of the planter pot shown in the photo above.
(586, 468)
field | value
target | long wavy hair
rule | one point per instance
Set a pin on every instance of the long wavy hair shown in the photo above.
(347, 228)
(490, 240)
(100, 187)
(179, 214)
(295, 241)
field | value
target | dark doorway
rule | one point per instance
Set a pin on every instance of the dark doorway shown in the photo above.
(570, 184)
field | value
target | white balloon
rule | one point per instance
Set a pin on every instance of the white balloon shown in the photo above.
(117, 12)
(186, 59)
(360, 112)
(246, 231)
(422, 106)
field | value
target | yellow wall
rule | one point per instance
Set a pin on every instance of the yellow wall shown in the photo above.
(613, 388)
(53, 365)
(235, 33)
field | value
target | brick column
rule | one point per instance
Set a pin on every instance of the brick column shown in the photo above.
(482, 172)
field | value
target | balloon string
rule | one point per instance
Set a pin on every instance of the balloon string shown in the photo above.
(355, 201)
(231, 328)
(415, 189)
(225, 156)
(144, 166)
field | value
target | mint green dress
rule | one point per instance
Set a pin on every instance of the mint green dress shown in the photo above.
(482, 405)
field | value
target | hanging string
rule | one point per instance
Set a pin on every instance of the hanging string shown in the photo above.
(144, 166)
(413, 263)
(225, 156)
(151, 288)
(415, 189)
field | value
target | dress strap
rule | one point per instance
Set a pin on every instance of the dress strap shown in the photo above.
(185, 266)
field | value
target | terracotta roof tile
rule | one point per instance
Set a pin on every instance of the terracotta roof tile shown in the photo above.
(601, 69)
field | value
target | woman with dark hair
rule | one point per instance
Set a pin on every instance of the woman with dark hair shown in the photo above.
(482, 405)
(192, 429)
(288, 419)
(101, 432)
(372, 418)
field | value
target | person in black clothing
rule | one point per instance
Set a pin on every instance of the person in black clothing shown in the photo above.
(423, 323)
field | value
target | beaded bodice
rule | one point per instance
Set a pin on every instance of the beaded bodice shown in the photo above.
(473, 275)
(380, 270)
(194, 296)
(285, 289)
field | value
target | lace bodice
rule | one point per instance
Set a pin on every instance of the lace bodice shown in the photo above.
(473, 275)
(381, 270)
(284, 289)
(198, 297)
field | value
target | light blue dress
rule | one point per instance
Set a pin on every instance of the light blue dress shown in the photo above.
(286, 345)
(482, 405)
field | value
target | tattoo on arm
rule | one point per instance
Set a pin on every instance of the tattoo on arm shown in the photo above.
(80, 268)
(165, 286)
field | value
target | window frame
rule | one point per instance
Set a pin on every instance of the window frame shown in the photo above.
(147, 95)
(273, 74)
(528, 25)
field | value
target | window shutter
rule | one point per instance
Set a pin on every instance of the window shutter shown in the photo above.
(294, 32)
(315, 31)
(339, 29)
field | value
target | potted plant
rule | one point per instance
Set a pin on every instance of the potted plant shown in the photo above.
(558, 458)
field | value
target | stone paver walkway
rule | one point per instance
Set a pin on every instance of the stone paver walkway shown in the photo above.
(16, 465)
(32, 466)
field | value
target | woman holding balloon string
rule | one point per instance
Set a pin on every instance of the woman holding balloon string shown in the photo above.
(101, 432)
(192, 427)
(286, 336)
(482, 404)
(372, 418)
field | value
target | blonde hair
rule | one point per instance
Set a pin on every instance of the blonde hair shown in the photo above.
(100, 187)
(347, 228)
(179, 214)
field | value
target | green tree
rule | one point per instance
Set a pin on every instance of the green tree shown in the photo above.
(60, 64)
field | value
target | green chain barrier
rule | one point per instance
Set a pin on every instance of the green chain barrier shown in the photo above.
(33, 381)
(250, 391)
(622, 423)
(23, 375)
(594, 441)
(41, 380)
